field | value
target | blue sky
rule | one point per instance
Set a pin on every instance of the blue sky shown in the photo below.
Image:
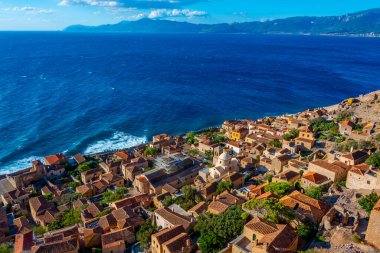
(57, 14)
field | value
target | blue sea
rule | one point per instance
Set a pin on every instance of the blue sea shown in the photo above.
(72, 92)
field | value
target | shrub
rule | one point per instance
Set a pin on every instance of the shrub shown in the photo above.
(374, 160)
(314, 192)
(279, 188)
(292, 134)
(223, 185)
(368, 202)
(144, 233)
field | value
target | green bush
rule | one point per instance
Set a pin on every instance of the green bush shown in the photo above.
(144, 233)
(273, 210)
(293, 133)
(314, 192)
(279, 188)
(374, 160)
(216, 230)
(368, 202)
(119, 193)
(223, 186)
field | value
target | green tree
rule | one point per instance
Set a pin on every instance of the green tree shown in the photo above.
(67, 198)
(209, 242)
(307, 230)
(39, 230)
(273, 210)
(190, 138)
(87, 166)
(223, 185)
(314, 192)
(151, 151)
(276, 143)
(65, 219)
(218, 139)
(189, 192)
(208, 154)
(168, 201)
(49, 196)
(279, 188)
(119, 193)
(368, 202)
(292, 134)
(194, 152)
(216, 230)
(144, 233)
(73, 185)
(374, 160)
(4, 248)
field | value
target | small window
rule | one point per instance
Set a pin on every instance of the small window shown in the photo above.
(254, 237)
(368, 182)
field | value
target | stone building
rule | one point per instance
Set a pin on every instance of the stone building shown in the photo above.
(373, 229)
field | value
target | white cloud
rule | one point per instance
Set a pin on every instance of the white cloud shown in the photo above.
(102, 3)
(31, 10)
(162, 13)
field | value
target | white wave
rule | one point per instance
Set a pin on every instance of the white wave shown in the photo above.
(19, 165)
(119, 140)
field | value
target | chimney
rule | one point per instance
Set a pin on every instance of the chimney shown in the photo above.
(352, 149)
(188, 243)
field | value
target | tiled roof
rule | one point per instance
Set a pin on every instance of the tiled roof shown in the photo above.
(287, 175)
(23, 242)
(79, 158)
(38, 204)
(117, 235)
(267, 195)
(107, 221)
(218, 206)
(326, 165)
(315, 177)
(166, 234)
(169, 188)
(278, 237)
(174, 218)
(198, 208)
(54, 247)
(176, 243)
(257, 190)
(54, 159)
(360, 168)
(123, 155)
(356, 155)
(347, 123)
(305, 205)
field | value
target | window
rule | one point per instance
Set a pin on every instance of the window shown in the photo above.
(368, 182)
(254, 237)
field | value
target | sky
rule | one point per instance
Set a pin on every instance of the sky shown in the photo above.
(58, 14)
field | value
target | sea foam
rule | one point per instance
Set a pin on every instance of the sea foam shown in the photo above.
(119, 140)
(19, 164)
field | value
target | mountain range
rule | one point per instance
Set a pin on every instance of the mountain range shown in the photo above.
(360, 23)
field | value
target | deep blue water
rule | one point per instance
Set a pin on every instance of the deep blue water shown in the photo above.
(88, 92)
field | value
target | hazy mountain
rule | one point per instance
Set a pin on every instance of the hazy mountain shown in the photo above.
(364, 22)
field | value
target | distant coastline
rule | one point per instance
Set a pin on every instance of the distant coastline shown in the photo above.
(359, 24)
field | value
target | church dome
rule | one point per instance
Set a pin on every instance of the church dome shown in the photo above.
(225, 156)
